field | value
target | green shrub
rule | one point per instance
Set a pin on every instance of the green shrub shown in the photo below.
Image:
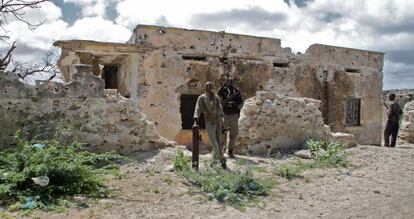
(327, 153)
(69, 169)
(324, 154)
(289, 171)
(181, 162)
(236, 188)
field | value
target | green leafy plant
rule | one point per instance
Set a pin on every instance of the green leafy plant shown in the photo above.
(289, 171)
(327, 153)
(324, 155)
(236, 188)
(60, 170)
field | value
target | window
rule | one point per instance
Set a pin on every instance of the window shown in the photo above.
(195, 58)
(110, 75)
(352, 70)
(281, 64)
(187, 107)
(353, 111)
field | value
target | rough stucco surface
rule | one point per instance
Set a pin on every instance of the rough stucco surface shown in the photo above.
(279, 121)
(159, 64)
(79, 110)
(406, 133)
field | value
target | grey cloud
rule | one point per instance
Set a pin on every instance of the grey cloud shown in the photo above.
(387, 25)
(403, 56)
(328, 17)
(23, 49)
(299, 3)
(398, 76)
(254, 17)
(162, 21)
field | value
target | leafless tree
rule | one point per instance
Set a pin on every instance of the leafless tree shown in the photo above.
(14, 9)
(47, 67)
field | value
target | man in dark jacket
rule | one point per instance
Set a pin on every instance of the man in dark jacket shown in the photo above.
(393, 122)
(232, 102)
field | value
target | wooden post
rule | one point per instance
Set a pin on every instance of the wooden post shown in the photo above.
(195, 149)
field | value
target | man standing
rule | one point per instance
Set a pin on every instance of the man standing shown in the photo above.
(209, 104)
(232, 102)
(393, 122)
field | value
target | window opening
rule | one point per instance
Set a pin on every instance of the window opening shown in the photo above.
(353, 112)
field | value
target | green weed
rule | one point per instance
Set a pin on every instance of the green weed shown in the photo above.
(69, 170)
(324, 155)
(236, 188)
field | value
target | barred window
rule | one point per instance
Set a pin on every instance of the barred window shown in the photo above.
(353, 111)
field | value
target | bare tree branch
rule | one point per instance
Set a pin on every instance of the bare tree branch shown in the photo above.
(16, 9)
(47, 67)
(5, 60)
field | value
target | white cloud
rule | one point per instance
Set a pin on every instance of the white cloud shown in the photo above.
(97, 28)
(92, 7)
(180, 12)
(386, 25)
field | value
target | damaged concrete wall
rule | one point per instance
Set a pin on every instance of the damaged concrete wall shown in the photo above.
(406, 133)
(79, 110)
(160, 64)
(350, 74)
(184, 60)
(271, 121)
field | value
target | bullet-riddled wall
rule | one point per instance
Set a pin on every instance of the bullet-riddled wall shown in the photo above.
(159, 65)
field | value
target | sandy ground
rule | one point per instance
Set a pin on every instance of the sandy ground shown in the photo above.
(380, 184)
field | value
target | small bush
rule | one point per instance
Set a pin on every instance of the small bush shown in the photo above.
(324, 154)
(181, 162)
(236, 188)
(327, 153)
(69, 171)
(289, 171)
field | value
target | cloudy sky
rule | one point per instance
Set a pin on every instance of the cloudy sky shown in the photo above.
(379, 25)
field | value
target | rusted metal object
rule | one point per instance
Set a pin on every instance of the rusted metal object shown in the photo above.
(196, 148)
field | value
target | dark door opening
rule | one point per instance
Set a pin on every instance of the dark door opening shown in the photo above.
(110, 75)
(187, 107)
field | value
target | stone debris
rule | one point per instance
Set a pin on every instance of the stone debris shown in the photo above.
(346, 139)
(406, 133)
(269, 121)
(304, 154)
(78, 110)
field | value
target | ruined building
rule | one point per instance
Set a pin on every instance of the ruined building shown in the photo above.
(164, 70)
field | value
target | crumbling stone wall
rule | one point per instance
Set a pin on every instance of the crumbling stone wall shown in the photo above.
(271, 121)
(406, 133)
(159, 64)
(79, 110)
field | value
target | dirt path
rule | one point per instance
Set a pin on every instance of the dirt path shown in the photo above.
(379, 185)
